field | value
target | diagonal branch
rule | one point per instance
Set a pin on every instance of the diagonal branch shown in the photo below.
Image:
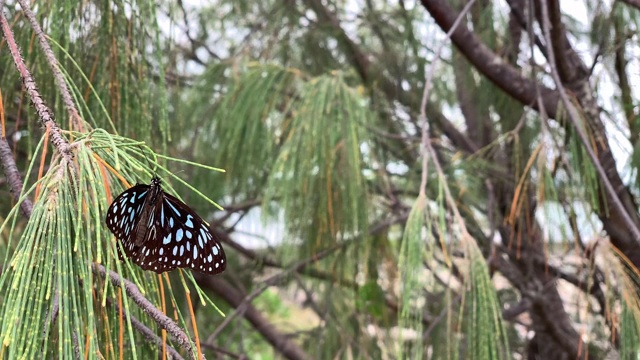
(273, 280)
(67, 99)
(488, 63)
(287, 348)
(13, 175)
(158, 316)
(44, 113)
(146, 332)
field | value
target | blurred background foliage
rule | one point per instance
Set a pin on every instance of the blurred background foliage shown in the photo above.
(514, 250)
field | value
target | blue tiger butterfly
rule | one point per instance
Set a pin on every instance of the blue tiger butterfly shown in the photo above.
(158, 232)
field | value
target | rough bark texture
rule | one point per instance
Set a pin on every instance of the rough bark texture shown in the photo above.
(555, 336)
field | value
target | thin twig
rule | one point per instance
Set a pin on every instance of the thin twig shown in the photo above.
(425, 98)
(426, 143)
(232, 209)
(194, 42)
(427, 333)
(225, 352)
(376, 229)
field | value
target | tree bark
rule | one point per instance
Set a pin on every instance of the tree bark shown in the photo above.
(287, 347)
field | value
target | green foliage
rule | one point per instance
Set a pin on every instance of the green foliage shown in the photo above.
(49, 270)
(311, 108)
(370, 300)
(487, 337)
(272, 304)
(248, 124)
(412, 297)
(629, 333)
(322, 149)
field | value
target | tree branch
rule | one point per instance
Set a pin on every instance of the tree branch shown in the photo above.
(488, 63)
(13, 176)
(236, 299)
(146, 332)
(160, 318)
(44, 113)
(67, 99)
(574, 117)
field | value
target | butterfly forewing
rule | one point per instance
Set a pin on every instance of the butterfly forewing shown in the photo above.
(159, 232)
(187, 239)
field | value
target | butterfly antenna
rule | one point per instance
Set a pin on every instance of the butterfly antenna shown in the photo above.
(155, 164)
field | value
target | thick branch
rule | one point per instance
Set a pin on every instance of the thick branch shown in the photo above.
(236, 299)
(488, 63)
(608, 175)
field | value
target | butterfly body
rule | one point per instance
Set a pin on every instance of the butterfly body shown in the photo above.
(158, 232)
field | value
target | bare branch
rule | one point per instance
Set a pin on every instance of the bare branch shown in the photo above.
(273, 280)
(13, 175)
(286, 347)
(160, 318)
(67, 99)
(44, 113)
(488, 63)
(146, 332)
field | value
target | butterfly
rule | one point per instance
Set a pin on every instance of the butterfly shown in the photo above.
(158, 232)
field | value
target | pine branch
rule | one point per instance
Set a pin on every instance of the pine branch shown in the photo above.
(146, 332)
(286, 347)
(44, 113)
(13, 176)
(158, 316)
(67, 99)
